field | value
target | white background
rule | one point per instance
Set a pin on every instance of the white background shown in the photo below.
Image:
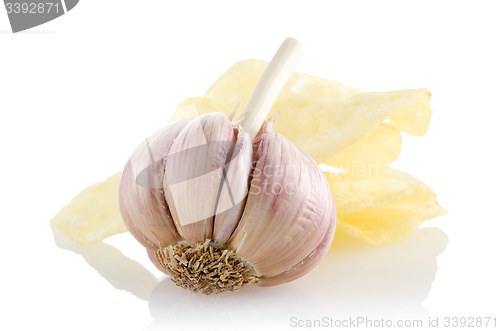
(78, 94)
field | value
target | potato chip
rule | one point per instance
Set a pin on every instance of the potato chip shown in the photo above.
(391, 223)
(414, 118)
(303, 88)
(326, 127)
(360, 187)
(381, 205)
(322, 116)
(184, 111)
(93, 214)
(236, 84)
(203, 106)
(381, 146)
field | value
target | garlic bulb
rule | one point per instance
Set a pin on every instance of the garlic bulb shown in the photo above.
(217, 208)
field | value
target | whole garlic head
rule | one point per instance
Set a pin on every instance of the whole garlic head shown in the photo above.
(218, 206)
(217, 211)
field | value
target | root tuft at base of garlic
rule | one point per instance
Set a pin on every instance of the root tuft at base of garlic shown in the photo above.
(206, 267)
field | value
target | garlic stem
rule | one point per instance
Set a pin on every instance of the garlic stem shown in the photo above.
(270, 84)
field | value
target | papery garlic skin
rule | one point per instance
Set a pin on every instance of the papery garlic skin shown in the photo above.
(143, 207)
(234, 190)
(287, 212)
(266, 201)
(194, 173)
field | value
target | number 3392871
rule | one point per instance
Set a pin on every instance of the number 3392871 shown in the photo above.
(31, 8)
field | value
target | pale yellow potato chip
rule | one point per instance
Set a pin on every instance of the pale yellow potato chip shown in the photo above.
(203, 105)
(390, 223)
(381, 146)
(360, 187)
(93, 214)
(184, 111)
(302, 89)
(414, 118)
(309, 105)
(381, 205)
(326, 127)
(236, 84)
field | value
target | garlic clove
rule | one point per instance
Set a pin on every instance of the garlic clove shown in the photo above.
(134, 230)
(234, 192)
(193, 173)
(304, 266)
(141, 196)
(289, 208)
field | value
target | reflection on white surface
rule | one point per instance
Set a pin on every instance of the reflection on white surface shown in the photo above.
(354, 279)
(359, 279)
(252, 307)
(122, 272)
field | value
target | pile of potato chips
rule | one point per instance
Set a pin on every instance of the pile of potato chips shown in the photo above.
(337, 125)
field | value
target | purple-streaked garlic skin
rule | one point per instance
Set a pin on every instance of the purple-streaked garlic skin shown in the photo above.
(282, 227)
(304, 266)
(144, 210)
(238, 171)
(134, 230)
(288, 211)
(193, 176)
